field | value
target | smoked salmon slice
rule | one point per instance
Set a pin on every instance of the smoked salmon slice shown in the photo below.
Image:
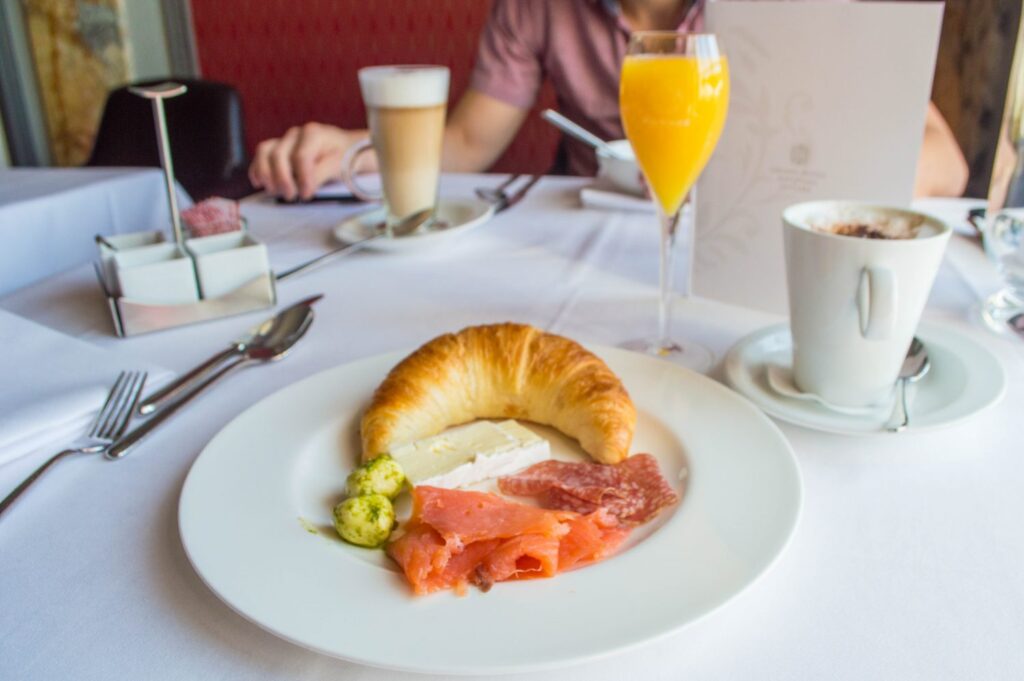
(456, 538)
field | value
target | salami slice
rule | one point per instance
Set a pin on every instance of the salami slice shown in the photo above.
(633, 491)
(588, 481)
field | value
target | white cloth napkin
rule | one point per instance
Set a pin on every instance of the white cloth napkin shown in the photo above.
(53, 385)
(601, 195)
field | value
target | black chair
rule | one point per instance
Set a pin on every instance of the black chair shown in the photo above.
(207, 137)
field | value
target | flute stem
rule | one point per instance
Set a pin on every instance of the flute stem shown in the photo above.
(669, 229)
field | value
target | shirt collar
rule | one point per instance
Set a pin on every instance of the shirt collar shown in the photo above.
(614, 10)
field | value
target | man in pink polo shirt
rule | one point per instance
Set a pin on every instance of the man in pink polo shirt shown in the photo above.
(579, 45)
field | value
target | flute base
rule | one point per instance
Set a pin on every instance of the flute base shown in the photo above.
(693, 356)
(999, 309)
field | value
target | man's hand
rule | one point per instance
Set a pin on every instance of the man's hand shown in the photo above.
(295, 164)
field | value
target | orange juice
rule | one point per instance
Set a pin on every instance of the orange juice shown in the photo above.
(673, 110)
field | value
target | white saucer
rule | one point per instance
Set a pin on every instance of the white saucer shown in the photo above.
(453, 217)
(965, 378)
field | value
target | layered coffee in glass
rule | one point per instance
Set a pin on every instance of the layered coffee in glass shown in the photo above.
(405, 109)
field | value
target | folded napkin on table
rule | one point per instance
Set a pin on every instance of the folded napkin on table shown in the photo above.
(53, 385)
(602, 195)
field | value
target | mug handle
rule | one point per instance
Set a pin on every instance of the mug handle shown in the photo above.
(348, 162)
(876, 302)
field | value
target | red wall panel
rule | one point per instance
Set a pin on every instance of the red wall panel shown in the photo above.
(296, 60)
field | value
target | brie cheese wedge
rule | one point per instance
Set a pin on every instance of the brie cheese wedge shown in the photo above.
(470, 454)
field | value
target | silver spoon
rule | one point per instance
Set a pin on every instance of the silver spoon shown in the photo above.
(279, 341)
(257, 336)
(404, 228)
(915, 366)
(582, 134)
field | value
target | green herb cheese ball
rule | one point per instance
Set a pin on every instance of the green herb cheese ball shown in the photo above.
(382, 475)
(366, 520)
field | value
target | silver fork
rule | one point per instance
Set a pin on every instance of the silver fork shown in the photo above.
(109, 425)
(519, 195)
(501, 199)
(496, 194)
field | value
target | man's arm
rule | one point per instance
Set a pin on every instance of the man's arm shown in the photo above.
(479, 129)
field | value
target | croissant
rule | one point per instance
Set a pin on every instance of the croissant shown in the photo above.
(502, 371)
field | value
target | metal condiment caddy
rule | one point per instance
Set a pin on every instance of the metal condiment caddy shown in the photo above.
(152, 284)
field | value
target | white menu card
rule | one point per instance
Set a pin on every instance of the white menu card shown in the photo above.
(828, 101)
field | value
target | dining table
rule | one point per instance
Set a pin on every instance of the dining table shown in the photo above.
(907, 561)
(50, 216)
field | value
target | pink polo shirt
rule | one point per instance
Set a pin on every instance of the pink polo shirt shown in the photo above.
(578, 44)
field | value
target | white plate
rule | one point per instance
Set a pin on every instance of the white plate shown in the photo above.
(286, 459)
(453, 217)
(964, 379)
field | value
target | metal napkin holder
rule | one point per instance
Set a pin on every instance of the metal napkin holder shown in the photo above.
(134, 317)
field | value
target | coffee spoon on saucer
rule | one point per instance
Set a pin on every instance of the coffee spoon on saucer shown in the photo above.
(404, 228)
(915, 366)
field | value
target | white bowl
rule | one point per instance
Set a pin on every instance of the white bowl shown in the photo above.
(621, 170)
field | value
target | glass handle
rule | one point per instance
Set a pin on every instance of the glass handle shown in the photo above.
(348, 164)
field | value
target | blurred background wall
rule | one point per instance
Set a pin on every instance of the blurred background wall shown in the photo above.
(971, 73)
(296, 66)
(66, 55)
(295, 60)
(4, 158)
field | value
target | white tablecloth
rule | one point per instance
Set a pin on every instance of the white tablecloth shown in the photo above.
(908, 562)
(48, 216)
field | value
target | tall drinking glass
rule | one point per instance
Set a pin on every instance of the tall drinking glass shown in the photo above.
(673, 95)
(1003, 227)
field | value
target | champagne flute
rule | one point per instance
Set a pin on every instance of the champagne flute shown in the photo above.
(673, 95)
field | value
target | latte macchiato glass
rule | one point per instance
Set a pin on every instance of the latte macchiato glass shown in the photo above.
(405, 108)
(858, 278)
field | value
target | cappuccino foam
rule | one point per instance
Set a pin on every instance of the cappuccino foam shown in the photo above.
(868, 225)
(404, 87)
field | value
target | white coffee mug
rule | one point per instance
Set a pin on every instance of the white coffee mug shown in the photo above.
(855, 302)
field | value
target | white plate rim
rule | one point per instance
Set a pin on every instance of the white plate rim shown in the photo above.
(738, 376)
(788, 461)
(483, 210)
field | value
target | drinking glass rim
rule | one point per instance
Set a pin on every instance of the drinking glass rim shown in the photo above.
(647, 42)
(403, 67)
(796, 216)
(667, 33)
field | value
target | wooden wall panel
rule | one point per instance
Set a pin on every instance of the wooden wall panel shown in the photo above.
(971, 74)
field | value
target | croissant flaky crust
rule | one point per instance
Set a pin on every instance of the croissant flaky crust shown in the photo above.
(502, 371)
